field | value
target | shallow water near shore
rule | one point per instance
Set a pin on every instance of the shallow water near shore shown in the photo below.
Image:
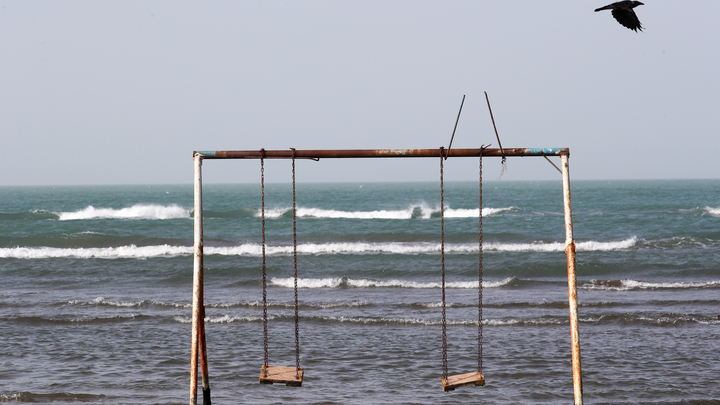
(97, 287)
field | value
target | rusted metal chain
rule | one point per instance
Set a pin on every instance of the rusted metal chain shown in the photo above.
(297, 316)
(264, 268)
(480, 276)
(442, 259)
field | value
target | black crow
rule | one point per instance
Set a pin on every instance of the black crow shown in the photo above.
(624, 14)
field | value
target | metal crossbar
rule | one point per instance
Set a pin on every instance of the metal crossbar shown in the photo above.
(198, 345)
(378, 153)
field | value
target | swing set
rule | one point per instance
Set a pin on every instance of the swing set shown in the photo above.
(293, 376)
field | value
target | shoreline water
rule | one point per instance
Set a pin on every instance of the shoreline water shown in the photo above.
(96, 306)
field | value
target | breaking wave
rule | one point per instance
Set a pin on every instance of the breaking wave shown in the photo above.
(137, 211)
(251, 249)
(412, 212)
(626, 285)
(346, 282)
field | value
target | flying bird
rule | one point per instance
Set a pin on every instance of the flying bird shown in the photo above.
(624, 14)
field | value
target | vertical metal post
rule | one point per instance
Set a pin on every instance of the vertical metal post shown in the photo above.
(572, 283)
(197, 278)
(203, 350)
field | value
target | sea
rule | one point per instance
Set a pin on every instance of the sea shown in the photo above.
(96, 292)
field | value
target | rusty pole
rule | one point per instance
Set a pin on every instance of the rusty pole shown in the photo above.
(203, 349)
(379, 153)
(572, 284)
(198, 156)
(197, 278)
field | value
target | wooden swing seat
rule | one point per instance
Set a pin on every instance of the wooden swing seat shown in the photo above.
(282, 375)
(461, 380)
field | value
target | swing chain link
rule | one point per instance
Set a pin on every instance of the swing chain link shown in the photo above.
(480, 275)
(264, 268)
(297, 316)
(442, 258)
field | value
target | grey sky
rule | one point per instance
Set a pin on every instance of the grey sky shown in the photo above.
(110, 92)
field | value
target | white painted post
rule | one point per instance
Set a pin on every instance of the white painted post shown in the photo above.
(572, 283)
(197, 278)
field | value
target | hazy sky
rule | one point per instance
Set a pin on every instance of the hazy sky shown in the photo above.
(122, 92)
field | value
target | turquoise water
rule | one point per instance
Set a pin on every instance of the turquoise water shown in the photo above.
(97, 285)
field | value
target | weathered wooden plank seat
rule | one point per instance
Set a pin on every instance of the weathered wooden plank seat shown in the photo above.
(462, 380)
(289, 376)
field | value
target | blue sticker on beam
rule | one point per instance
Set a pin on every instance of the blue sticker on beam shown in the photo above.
(544, 151)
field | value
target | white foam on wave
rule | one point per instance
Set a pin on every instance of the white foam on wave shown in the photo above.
(449, 322)
(250, 249)
(137, 211)
(410, 212)
(589, 246)
(625, 285)
(436, 304)
(713, 211)
(397, 321)
(223, 319)
(120, 252)
(341, 248)
(418, 247)
(131, 304)
(524, 322)
(337, 282)
(381, 214)
(307, 282)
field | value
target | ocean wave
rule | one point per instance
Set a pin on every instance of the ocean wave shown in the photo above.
(120, 252)
(68, 320)
(100, 301)
(678, 242)
(416, 248)
(438, 304)
(339, 319)
(626, 285)
(713, 211)
(227, 318)
(137, 211)
(85, 239)
(51, 397)
(251, 249)
(543, 321)
(412, 212)
(667, 319)
(589, 246)
(346, 282)
(290, 305)
(393, 321)
(670, 319)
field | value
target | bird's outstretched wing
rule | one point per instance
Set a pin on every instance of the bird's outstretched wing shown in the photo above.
(623, 12)
(627, 18)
